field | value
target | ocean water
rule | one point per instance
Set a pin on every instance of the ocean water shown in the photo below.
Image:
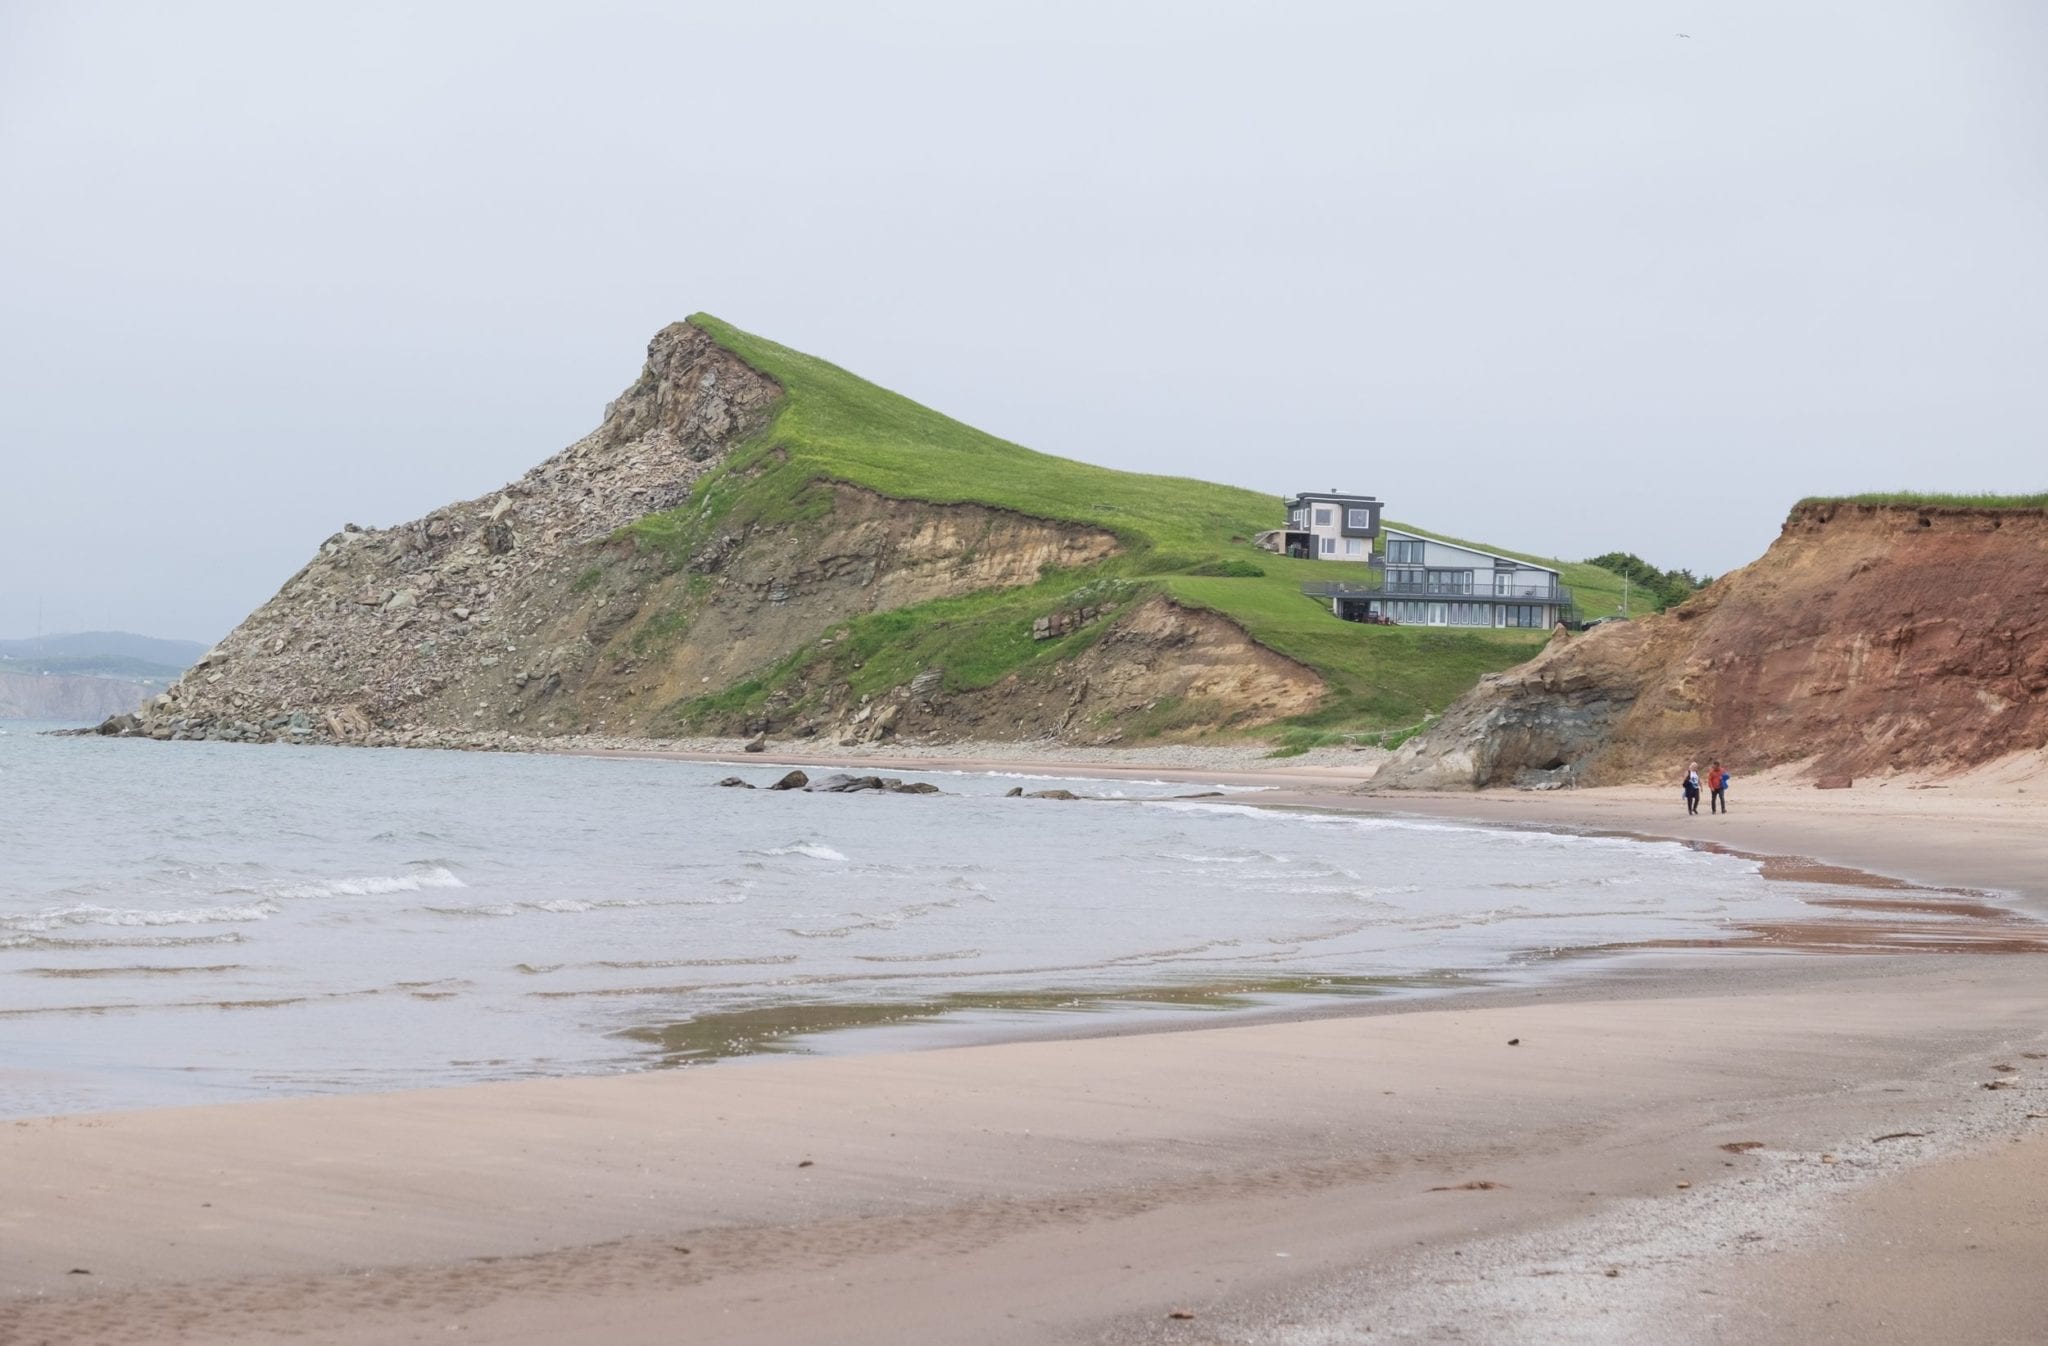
(197, 922)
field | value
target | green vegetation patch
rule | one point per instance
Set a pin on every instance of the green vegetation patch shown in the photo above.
(1664, 587)
(974, 641)
(1294, 740)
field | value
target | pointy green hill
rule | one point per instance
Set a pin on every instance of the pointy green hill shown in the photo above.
(834, 426)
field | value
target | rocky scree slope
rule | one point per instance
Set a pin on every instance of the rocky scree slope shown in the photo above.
(1867, 639)
(536, 610)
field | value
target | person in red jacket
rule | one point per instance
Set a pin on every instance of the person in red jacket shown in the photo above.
(1717, 789)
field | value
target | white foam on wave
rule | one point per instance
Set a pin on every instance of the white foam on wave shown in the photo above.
(1228, 858)
(95, 942)
(419, 880)
(38, 922)
(816, 850)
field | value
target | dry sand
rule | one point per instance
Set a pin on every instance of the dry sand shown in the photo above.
(1400, 1173)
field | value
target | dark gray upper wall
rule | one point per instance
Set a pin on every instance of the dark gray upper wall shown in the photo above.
(1344, 504)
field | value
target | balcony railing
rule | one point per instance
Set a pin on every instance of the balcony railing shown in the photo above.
(1514, 593)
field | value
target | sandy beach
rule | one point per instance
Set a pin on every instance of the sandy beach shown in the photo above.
(1801, 1142)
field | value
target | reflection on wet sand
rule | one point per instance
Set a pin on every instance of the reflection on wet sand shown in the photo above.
(1932, 920)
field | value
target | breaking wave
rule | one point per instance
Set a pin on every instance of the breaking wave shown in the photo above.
(431, 876)
(816, 850)
(38, 922)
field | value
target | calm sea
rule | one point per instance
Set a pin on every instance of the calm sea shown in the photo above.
(193, 922)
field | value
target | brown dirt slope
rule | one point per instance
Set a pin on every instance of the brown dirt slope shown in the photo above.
(525, 612)
(1868, 639)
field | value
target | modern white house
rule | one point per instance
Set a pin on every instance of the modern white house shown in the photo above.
(1426, 581)
(1328, 526)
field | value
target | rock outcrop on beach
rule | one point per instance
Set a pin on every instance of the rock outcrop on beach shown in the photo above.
(1868, 639)
(540, 609)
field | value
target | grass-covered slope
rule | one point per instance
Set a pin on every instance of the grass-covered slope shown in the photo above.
(834, 426)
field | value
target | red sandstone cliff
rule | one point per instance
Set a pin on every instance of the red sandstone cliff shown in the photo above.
(1867, 639)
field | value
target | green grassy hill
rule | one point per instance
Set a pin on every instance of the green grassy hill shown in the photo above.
(1181, 537)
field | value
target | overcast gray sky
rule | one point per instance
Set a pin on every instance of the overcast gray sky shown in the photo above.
(1551, 275)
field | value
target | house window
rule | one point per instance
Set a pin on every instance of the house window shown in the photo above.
(1511, 584)
(1353, 546)
(1407, 551)
(1322, 516)
(1361, 518)
(1329, 546)
(1450, 581)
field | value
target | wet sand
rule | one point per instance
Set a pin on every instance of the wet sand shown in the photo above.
(1536, 1164)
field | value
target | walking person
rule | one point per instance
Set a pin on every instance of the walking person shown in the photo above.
(1692, 788)
(1717, 789)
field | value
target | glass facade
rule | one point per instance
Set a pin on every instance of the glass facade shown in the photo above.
(1421, 612)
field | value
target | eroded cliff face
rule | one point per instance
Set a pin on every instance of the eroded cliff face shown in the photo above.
(430, 624)
(1867, 639)
(1157, 669)
(752, 598)
(525, 612)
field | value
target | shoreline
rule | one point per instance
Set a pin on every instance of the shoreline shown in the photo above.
(1780, 818)
(1076, 1188)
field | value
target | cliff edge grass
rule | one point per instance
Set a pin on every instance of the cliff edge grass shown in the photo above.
(1185, 539)
(1926, 500)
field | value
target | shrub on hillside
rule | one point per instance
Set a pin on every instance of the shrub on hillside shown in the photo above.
(1665, 587)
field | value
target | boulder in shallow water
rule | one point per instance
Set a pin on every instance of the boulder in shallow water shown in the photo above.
(842, 784)
(915, 787)
(735, 783)
(1014, 792)
(1052, 794)
(119, 724)
(795, 780)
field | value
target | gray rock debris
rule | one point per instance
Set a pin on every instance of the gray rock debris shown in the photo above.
(389, 636)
